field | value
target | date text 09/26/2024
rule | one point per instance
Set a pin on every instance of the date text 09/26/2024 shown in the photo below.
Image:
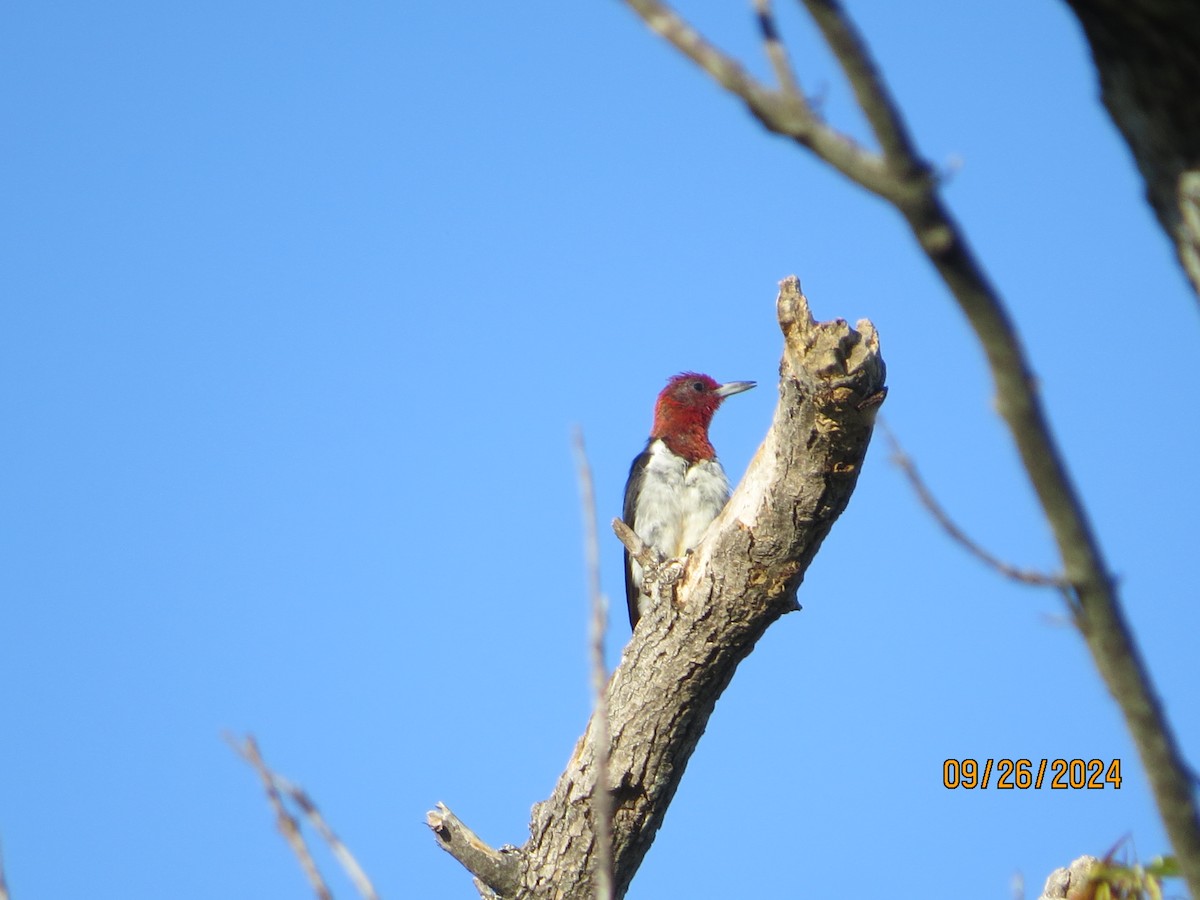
(1022, 774)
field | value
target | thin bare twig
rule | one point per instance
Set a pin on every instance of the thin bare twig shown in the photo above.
(285, 821)
(602, 806)
(277, 787)
(935, 509)
(904, 179)
(776, 51)
(874, 98)
(646, 555)
(355, 871)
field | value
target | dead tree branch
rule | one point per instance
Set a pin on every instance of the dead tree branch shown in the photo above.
(900, 176)
(741, 578)
(956, 534)
(786, 112)
(495, 869)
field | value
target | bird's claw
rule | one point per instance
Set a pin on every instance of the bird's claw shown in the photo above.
(661, 580)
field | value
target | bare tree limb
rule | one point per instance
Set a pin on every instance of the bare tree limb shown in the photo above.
(497, 870)
(601, 748)
(784, 112)
(935, 509)
(903, 179)
(736, 583)
(874, 98)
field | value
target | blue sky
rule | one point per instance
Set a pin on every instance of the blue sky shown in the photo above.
(301, 304)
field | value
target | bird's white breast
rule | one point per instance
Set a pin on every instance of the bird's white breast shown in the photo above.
(678, 500)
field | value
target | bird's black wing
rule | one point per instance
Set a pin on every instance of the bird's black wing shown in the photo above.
(633, 487)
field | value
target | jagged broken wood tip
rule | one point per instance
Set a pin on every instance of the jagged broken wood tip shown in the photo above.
(792, 306)
(496, 869)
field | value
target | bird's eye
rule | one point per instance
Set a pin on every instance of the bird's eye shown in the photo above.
(698, 385)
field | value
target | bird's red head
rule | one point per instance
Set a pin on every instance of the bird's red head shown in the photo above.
(684, 410)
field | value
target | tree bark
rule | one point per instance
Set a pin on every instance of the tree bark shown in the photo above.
(1147, 53)
(740, 579)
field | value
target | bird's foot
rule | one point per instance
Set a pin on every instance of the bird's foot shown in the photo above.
(661, 580)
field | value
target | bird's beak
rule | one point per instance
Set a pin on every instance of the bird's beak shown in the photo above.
(733, 387)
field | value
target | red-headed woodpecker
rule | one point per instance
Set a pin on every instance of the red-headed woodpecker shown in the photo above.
(676, 486)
